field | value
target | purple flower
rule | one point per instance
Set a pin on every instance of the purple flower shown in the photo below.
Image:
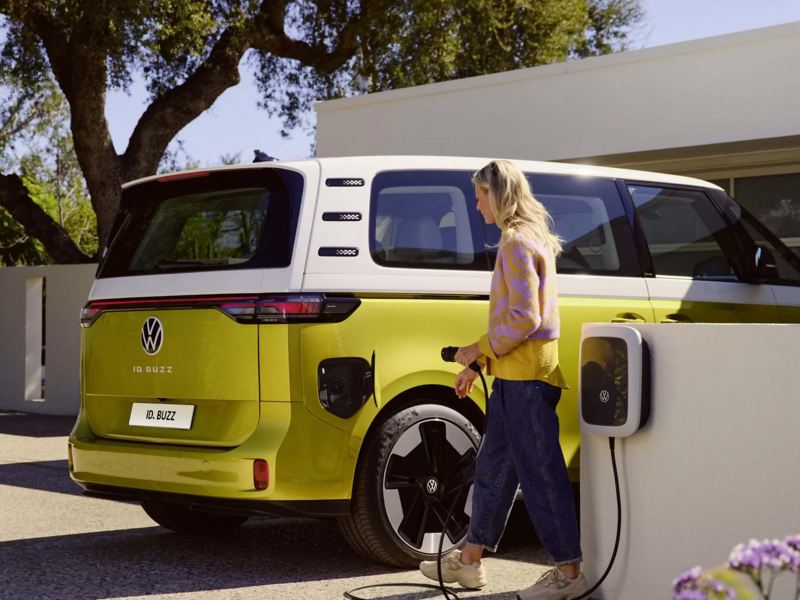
(755, 555)
(687, 580)
(693, 585)
(690, 595)
(793, 544)
(745, 557)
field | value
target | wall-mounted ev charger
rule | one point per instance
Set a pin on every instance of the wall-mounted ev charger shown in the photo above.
(614, 385)
(614, 393)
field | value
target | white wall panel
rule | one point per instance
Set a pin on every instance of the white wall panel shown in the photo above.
(713, 467)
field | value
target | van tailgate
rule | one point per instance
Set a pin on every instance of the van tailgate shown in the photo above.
(197, 364)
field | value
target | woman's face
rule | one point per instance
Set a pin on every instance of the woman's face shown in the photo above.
(485, 205)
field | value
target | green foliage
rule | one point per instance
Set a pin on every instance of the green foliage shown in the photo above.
(27, 113)
(609, 26)
(414, 42)
(401, 43)
(166, 40)
(739, 582)
(68, 204)
(16, 247)
(39, 146)
(188, 52)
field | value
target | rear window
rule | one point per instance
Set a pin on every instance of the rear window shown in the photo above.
(218, 221)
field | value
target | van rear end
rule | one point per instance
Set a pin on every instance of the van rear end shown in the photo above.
(184, 394)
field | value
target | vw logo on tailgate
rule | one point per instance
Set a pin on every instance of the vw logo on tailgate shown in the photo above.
(152, 335)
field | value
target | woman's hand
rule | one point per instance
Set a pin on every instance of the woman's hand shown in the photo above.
(468, 354)
(464, 382)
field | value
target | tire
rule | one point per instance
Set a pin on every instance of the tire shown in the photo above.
(181, 519)
(406, 482)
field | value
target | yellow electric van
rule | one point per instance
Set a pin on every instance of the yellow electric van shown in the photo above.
(265, 338)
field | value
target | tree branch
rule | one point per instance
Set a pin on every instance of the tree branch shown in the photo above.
(277, 42)
(15, 199)
(81, 72)
(178, 107)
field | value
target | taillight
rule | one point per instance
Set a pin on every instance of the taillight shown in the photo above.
(283, 308)
(89, 315)
(291, 309)
(260, 474)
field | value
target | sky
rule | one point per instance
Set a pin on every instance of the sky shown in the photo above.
(234, 124)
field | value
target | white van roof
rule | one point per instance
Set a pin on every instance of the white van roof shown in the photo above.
(373, 164)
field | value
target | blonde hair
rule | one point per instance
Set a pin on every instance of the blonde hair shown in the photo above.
(513, 203)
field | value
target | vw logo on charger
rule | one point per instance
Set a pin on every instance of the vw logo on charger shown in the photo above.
(604, 396)
(152, 336)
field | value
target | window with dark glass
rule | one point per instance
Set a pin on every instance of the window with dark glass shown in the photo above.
(775, 201)
(589, 216)
(686, 235)
(223, 220)
(426, 219)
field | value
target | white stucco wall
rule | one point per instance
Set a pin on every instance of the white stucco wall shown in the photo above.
(715, 465)
(20, 337)
(729, 88)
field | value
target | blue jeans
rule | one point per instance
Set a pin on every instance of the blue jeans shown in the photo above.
(520, 447)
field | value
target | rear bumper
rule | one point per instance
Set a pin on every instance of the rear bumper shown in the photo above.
(291, 508)
(311, 466)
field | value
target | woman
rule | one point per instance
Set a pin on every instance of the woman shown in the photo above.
(520, 445)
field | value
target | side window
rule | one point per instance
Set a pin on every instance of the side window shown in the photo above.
(786, 262)
(589, 216)
(686, 235)
(425, 219)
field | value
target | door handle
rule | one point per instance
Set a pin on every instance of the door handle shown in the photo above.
(628, 318)
(676, 318)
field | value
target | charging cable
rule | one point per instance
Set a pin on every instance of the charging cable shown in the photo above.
(619, 524)
(466, 475)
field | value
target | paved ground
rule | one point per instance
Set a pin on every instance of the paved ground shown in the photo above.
(56, 543)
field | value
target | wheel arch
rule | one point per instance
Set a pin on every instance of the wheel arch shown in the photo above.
(473, 408)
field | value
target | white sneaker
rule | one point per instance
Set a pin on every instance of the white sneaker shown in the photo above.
(453, 570)
(554, 585)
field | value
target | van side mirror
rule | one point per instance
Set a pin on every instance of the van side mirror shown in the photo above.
(765, 267)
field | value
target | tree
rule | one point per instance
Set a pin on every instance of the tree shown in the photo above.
(189, 52)
(35, 141)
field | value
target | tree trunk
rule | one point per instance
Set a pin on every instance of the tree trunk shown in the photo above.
(14, 197)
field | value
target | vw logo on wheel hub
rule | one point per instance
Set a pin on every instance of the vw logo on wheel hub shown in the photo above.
(152, 336)
(431, 486)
